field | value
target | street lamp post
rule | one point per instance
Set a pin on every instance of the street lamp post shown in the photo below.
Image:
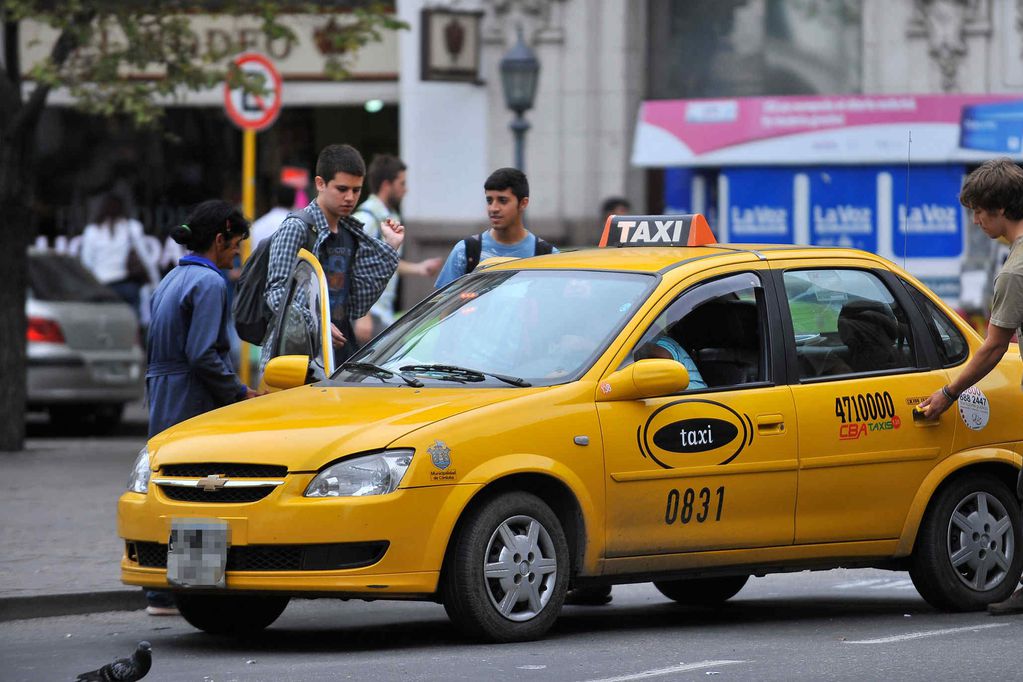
(520, 71)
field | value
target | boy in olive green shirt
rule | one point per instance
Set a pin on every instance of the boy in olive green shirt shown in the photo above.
(994, 193)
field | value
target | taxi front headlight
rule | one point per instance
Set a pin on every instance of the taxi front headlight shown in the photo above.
(376, 474)
(138, 481)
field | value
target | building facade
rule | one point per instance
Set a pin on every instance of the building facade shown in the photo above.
(601, 60)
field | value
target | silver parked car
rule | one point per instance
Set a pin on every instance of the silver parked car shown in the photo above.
(85, 360)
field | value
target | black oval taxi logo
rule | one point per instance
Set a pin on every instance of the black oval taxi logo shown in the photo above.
(694, 432)
(695, 435)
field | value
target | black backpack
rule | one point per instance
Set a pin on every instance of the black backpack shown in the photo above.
(474, 247)
(249, 309)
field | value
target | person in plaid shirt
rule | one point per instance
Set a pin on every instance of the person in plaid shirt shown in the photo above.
(357, 266)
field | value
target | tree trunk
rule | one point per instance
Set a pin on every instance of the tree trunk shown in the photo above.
(19, 120)
(15, 233)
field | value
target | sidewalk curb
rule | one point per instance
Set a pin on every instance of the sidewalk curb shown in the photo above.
(70, 604)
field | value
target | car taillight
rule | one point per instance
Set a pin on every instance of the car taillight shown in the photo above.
(44, 330)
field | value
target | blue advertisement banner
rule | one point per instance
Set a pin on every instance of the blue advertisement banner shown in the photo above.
(843, 203)
(994, 127)
(760, 205)
(678, 190)
(931, 226)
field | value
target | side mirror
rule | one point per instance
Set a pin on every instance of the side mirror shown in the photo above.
(286, 371)
(644, 379)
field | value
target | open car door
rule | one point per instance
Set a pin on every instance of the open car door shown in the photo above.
(301, 326)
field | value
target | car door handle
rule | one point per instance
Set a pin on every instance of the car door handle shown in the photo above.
(768, 424)
(920, 420)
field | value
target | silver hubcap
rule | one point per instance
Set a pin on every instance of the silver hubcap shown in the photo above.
(980, 541)
(520, 568)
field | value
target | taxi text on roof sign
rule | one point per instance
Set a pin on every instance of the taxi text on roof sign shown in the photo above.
(657, 230)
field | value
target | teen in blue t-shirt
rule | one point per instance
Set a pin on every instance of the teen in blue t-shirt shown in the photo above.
(507, 194)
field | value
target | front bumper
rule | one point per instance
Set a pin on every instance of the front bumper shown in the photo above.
(415, 524)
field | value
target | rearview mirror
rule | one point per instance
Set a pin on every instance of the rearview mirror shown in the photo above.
(286, 371)
(644, 379)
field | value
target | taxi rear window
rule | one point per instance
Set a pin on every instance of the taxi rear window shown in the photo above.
(948, 341)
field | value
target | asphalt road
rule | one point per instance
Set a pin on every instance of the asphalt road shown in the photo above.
(834, 625)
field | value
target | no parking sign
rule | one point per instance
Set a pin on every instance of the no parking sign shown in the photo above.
(254, 111)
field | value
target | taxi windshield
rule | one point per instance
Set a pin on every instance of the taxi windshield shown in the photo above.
(525, 327)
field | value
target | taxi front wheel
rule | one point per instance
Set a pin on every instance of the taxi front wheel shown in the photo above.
(506, 577)
(702, 591)
(230, 614)
(967, 552)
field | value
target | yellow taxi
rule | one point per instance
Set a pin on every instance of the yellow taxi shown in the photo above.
(674, 411)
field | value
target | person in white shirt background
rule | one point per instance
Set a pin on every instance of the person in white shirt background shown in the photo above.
(113, 249)
(267, 224)
(386, 178)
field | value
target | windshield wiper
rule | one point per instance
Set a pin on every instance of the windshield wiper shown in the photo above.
(465, 374)
(380, 372)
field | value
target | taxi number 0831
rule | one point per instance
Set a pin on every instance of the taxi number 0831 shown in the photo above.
(681, 505)
(864, 407)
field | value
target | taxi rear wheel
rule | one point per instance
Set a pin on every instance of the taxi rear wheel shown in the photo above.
(702, 591)
(507, 574)
(230, 614)
(968, 550)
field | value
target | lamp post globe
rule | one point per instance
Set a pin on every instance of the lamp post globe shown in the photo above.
(520, 72)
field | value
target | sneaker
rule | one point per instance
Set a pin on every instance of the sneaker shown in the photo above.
(162, 610)
(1013, 604)
(589, 596)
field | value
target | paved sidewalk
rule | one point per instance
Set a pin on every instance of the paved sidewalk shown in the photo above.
(58, 502)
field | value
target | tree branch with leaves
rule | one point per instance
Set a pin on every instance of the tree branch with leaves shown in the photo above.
(131, 59)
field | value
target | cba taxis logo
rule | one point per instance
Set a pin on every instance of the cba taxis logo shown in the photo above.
(863, 413)
(855, 430)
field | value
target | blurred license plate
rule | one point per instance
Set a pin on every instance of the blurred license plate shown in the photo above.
(111, 371)
(197, 552)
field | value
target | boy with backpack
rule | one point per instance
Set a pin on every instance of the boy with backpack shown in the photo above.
(357, 266)
(507, 195)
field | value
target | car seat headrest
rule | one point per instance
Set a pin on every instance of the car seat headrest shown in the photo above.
(863, 322)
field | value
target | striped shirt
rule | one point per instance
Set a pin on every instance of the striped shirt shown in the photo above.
(374, 264)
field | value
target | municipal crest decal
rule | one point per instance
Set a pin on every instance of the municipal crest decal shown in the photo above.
(440, 454)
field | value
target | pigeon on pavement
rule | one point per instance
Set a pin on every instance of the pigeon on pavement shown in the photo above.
(123, 669)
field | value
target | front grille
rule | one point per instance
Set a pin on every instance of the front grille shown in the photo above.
(265, 558)
(223, 495)
(148, 554)
(325, 557)
(202, 470)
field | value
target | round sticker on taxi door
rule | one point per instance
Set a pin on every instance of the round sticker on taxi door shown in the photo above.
(695, 432)
(974, 408)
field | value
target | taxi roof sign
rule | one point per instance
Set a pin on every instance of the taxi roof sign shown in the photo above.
(657, 230)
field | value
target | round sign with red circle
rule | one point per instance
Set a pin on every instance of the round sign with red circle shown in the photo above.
(254, 111)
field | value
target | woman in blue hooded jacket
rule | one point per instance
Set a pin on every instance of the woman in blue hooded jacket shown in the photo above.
(189, 351)
(189, 368)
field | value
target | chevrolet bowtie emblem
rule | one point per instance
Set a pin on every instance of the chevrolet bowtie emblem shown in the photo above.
(211, 483)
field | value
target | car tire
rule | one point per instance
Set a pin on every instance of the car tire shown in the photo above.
(968, 549)
(106, 418)
(98, 419)
(702, 591)
(230, 614)
(506, 575)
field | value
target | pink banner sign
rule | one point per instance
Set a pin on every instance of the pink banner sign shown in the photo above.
(832, 129)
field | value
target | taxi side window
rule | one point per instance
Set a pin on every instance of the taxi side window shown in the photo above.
(716, 330)
(846, 322)
(949, 342)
